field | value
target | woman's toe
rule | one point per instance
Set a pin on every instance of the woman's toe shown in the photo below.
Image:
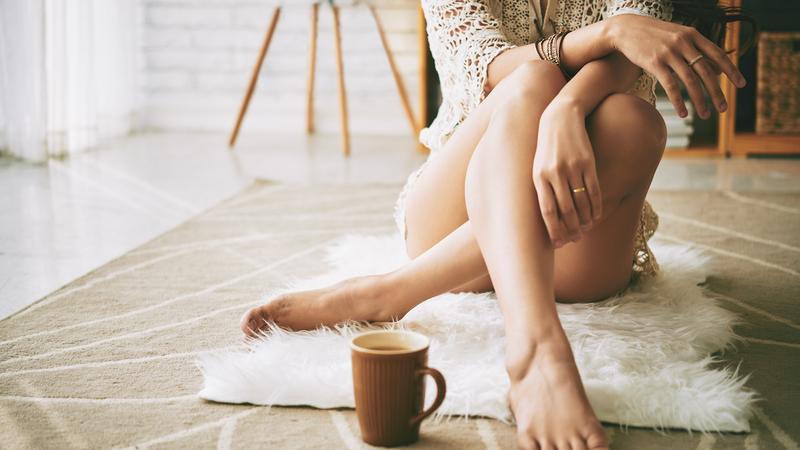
(249, 321)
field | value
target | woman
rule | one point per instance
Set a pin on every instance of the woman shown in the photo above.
(541, 158)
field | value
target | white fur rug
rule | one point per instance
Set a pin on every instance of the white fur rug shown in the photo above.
(644, 357)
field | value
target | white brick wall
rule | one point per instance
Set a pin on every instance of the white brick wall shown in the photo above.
(197, 57)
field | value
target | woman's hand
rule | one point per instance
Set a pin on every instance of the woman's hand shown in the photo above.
(665, 49)
(565, 161)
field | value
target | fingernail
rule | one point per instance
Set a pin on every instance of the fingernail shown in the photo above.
(723, 106)
(557, 243)
(585, 227)
(741, 81)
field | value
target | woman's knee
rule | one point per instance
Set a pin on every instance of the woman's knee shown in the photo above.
(636, 125)
(526, 94)
(536, 82)
(626, 129)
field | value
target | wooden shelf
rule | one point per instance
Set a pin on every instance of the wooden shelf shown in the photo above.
(749, 143)
(706, 151)
(731, 142)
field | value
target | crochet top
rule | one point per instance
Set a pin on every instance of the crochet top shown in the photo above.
(466, 35)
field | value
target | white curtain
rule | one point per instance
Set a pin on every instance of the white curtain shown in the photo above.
(67, 74)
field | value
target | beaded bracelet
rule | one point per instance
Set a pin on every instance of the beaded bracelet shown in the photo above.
(549, 49)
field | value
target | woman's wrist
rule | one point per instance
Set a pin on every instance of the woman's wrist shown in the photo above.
(588, 43)
(566, 103)
(593, 83)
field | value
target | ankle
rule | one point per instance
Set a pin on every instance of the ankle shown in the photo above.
(522, 354)
(371, 297)
(392, 300)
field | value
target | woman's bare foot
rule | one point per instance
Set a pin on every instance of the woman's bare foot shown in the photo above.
(359, 298)
(550, 404)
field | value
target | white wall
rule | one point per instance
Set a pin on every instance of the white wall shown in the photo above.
(2, 129)
(198, 54)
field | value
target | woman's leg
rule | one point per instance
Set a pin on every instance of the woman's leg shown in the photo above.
(437, 197)
(546, 393)
(628, 136)
(442, 243)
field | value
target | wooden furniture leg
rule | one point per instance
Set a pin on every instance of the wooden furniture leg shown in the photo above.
(312, 63)
(726, 127)
(337, 43)
(398, 79)
(254, 77)
(422, 40)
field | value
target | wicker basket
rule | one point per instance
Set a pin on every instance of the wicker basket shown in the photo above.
(778, 96)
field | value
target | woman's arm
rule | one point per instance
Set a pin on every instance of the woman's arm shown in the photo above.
(597, 80)
(590, 42)
(478, 54)
(564, 157)
(579, 47)
(661, 48)
(464, 37)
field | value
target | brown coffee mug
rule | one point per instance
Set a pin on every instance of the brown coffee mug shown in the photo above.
(389, 368)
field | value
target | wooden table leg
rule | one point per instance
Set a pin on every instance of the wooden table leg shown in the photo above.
(337, 43)
(312, 63)
(398, 79)
(254, 77)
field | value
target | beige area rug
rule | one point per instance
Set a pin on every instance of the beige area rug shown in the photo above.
(107, 361)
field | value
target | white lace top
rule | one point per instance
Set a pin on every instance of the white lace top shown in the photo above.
(466, 35)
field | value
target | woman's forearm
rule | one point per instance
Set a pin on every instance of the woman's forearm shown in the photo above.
(579, 48)
(597, 80)
(660, 47)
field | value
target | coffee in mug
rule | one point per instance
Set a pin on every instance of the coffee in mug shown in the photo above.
(389, 368)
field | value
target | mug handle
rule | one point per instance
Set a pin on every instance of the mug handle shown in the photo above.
(441, 389)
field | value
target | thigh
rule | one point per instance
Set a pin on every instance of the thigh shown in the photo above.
(628, 136)
(435, 204)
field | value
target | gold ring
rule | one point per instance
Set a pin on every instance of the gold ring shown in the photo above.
(580, 189)
(697, 58)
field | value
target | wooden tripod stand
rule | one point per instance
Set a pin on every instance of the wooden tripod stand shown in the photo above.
(312, 57)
